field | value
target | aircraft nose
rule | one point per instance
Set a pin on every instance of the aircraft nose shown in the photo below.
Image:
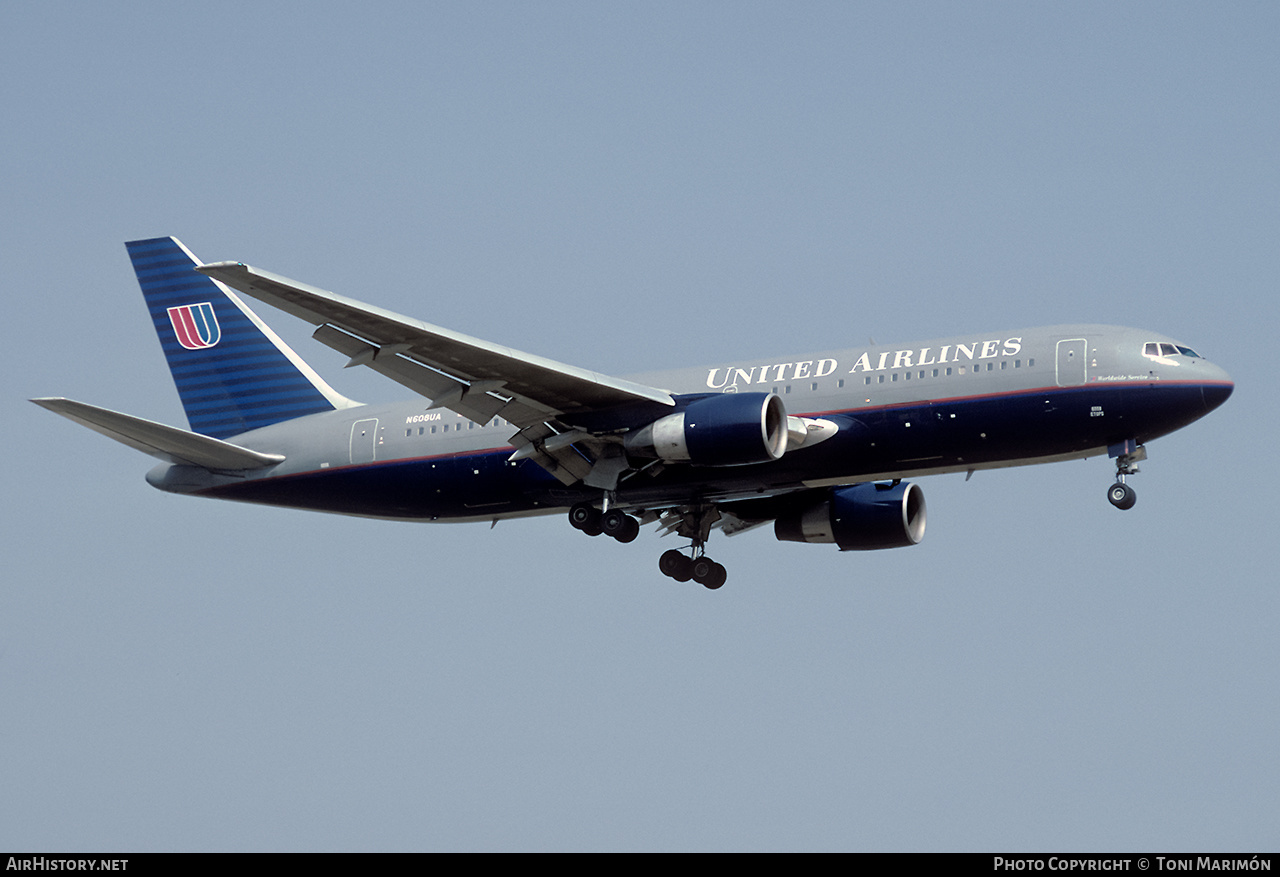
(1219, 391)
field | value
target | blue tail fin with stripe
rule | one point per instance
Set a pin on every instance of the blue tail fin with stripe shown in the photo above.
(232, 372)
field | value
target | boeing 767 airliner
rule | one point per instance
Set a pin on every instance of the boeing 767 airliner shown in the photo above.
(818, 444)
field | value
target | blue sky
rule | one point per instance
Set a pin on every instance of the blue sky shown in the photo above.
(628, 188)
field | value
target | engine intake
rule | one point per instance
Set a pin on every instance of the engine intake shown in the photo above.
(864, 517)
(731, 429)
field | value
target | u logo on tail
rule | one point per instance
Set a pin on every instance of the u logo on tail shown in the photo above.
(195, 325)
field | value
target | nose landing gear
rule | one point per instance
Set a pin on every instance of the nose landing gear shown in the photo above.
(1127, 454)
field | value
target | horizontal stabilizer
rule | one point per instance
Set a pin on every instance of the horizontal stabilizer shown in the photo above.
(166, 443)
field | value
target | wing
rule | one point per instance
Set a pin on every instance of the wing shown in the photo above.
(475, 378)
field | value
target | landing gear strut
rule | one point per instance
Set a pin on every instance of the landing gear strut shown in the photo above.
(1127, 454)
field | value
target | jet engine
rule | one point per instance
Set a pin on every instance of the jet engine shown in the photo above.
(860, 518)
(731, 429)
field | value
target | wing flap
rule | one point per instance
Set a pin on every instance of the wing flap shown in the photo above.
(163, 442)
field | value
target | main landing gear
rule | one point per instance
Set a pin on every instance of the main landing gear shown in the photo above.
(694, 522)
(1127, 454)
(701, 569)
(616, 524)
(691, 522)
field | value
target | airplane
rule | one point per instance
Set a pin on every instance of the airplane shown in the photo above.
(819, 445)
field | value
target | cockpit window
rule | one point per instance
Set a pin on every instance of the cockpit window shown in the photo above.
(1163, 348)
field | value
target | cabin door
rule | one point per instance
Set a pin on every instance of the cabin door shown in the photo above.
(1071, 361)
(364, 441)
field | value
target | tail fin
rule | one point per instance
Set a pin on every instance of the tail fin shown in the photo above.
(232, 372)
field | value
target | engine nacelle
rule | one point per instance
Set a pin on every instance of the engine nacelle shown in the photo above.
(860, 518)
(731, 429)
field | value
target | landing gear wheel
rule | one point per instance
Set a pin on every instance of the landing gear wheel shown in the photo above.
(631, 531)
(708, 573)
(1121, 495)
(585, 517)
(675, 565)
(619, 525)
